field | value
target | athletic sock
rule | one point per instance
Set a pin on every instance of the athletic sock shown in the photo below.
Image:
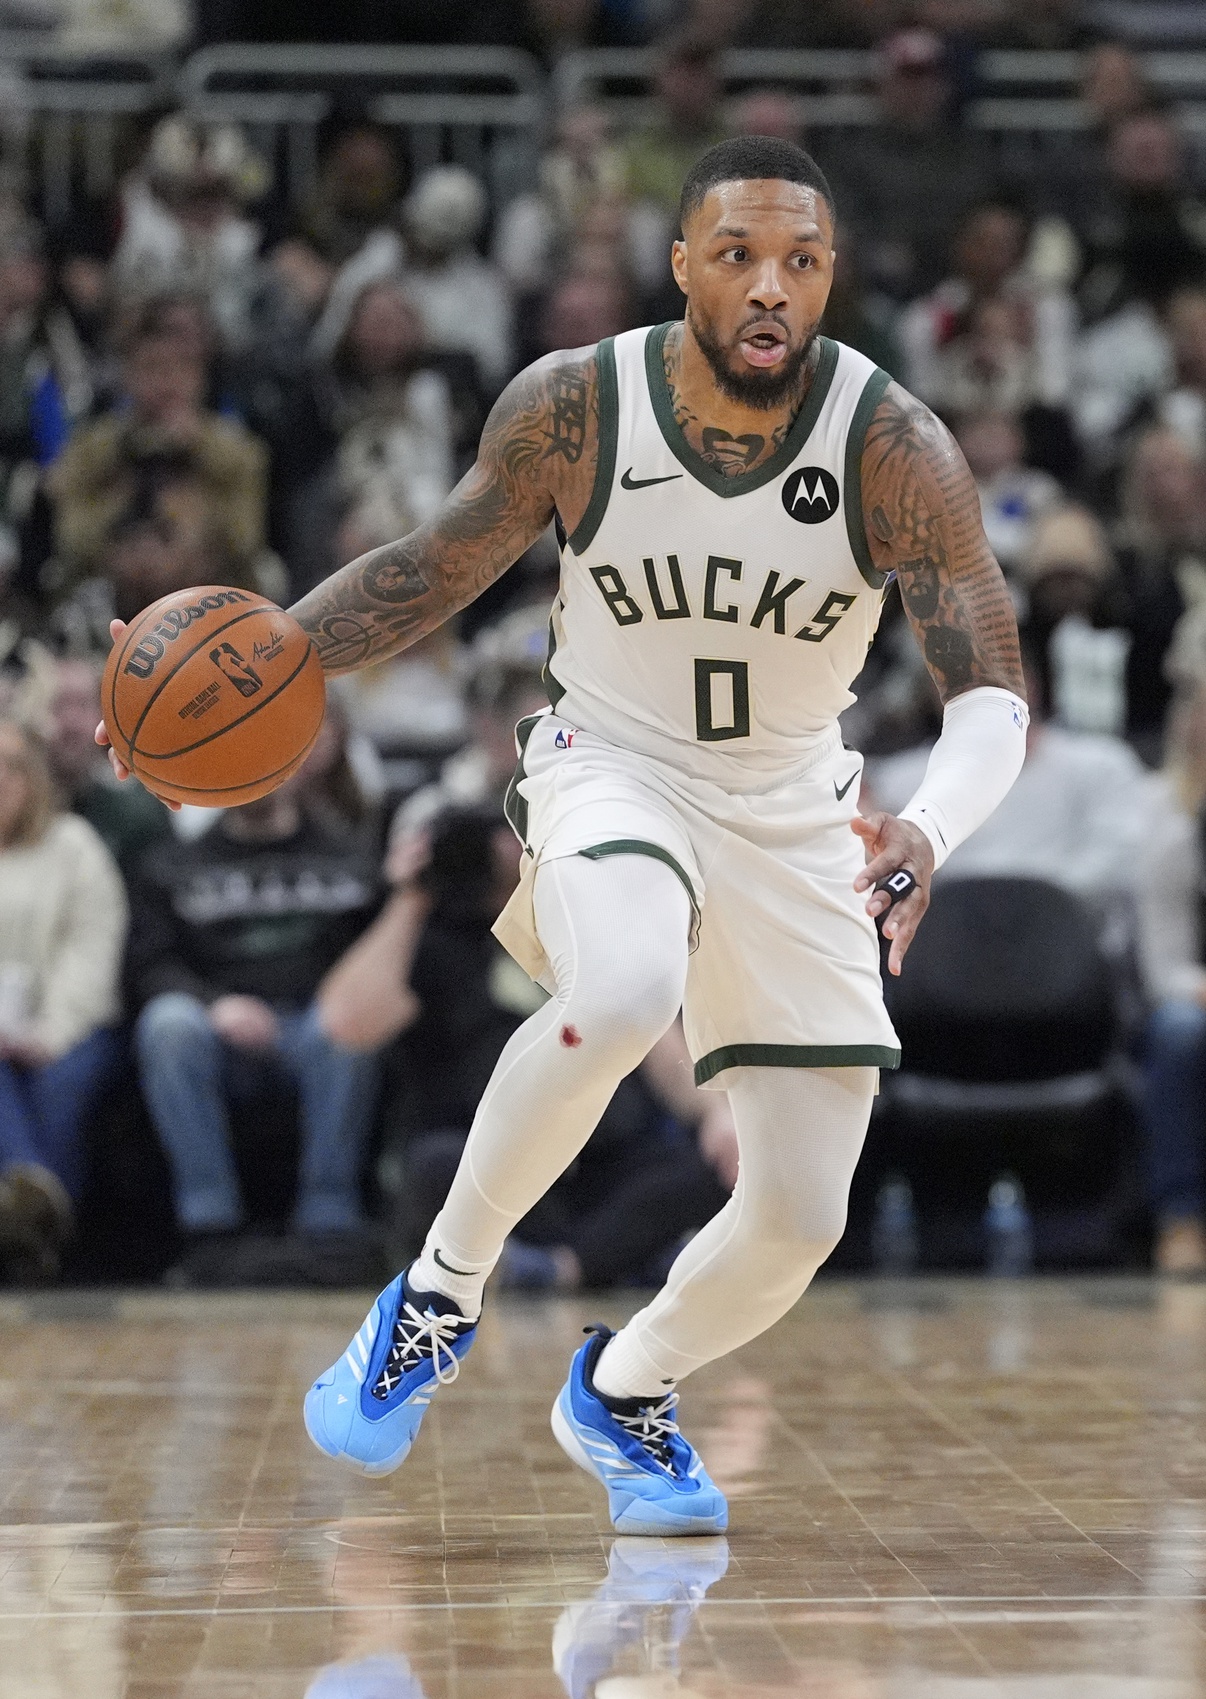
(626, 1370)
(440, 1269)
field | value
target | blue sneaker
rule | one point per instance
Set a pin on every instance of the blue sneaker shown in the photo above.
(367, 1408)
(648, 1600)
(384, 1677)
(656, 1482)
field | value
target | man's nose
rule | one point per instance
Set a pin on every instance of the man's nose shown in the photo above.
(766, 289)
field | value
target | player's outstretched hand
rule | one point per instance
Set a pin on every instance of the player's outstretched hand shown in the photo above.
(890, 845)
(101, 734)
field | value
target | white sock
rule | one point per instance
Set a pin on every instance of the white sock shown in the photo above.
(626, 1370)
(437, 1268)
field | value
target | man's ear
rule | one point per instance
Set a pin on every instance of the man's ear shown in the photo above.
(678, 264)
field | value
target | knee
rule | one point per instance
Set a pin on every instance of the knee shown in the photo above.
(170, 1023)
(628, 1017)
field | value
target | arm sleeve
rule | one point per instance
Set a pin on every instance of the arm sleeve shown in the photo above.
(971, 768)
(81, 986)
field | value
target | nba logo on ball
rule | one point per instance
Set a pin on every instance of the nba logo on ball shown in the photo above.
(811, 495)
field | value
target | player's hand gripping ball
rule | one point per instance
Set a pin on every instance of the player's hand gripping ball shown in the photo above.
(213, 696)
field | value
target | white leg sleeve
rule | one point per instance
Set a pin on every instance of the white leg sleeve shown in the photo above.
(615, 932)
(800, 1132)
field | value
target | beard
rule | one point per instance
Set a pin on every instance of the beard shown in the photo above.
(753, 387)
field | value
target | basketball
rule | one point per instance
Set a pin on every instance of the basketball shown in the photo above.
(213, 696)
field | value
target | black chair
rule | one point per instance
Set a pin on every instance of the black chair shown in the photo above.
(1012, 1020)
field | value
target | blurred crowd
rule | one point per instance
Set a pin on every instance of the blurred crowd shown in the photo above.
(200, 384)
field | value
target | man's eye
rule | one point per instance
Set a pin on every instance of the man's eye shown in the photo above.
(803, 261)
(738, 255)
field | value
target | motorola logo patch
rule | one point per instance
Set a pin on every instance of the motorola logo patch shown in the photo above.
(811, 495)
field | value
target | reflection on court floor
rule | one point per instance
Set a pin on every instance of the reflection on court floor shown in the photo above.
(943, 1492)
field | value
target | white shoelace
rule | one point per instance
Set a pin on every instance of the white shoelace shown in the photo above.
(416, 1335)
(654, 1426)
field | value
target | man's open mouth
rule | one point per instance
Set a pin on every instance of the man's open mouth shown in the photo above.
(764, 345)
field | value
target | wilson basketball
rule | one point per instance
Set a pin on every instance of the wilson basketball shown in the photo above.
(213, 696)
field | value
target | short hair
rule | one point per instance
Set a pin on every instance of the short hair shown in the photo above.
(745, 158)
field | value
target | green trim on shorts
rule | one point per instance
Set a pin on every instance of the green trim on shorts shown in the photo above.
(794, 1056)
(641, 846)
(607, 390)
(852, 480)
(552, 684)
(515, 806)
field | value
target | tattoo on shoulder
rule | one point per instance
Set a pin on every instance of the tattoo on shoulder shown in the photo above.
(545, 421)
(922, 514)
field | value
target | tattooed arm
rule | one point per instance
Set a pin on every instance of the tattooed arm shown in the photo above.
(536, 455)
(922, 515)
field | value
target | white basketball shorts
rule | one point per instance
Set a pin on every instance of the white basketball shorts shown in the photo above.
(784, 968)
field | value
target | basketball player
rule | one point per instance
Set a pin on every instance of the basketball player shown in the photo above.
(733, 496)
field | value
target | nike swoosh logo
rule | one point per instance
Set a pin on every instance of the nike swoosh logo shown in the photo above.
(838, 793)
(628, 482)
(465, 1273)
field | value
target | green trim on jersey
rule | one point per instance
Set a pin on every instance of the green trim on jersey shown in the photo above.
(515, 806)
(642, 846)
(794, 1056)
(852, 482)
(697, 466)
(608, 391)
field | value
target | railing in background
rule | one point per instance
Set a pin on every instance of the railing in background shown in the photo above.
(62, 104)
(455, 103)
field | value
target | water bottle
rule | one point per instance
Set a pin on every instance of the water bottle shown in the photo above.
(894, 1234)
(1008, 1229)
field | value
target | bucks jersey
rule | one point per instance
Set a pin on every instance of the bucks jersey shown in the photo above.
(716, 623)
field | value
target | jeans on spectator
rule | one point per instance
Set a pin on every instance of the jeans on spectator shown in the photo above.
(189, 1076)
(44, 1111)
(1174, 1108)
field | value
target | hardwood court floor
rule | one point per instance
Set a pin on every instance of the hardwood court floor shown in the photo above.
(957, 1492)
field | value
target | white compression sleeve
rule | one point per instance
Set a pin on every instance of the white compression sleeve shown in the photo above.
(971, 768)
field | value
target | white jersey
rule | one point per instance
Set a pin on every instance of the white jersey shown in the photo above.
(716, 623)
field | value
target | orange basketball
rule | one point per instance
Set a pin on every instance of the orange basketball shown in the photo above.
(213, 696)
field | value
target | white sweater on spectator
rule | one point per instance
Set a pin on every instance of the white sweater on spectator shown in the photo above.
(1168, 894)
(63, 919)
(1074, 817)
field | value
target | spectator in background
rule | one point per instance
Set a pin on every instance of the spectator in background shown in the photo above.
(62, 927)
(359, 187)
(160, 493)
(535, 230)
(656, 158)
(1075, 817)
(182, 221)
(464, 301)
(127, 818)
(1144, 241)
(885, 176)
(1012, 495)
(583, 308)
(1183, 409)
(232, 936)
(988, 335)
(505, 683)
(1170, 877)
(372, 438)
(1072, 621)
(1161, 550)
